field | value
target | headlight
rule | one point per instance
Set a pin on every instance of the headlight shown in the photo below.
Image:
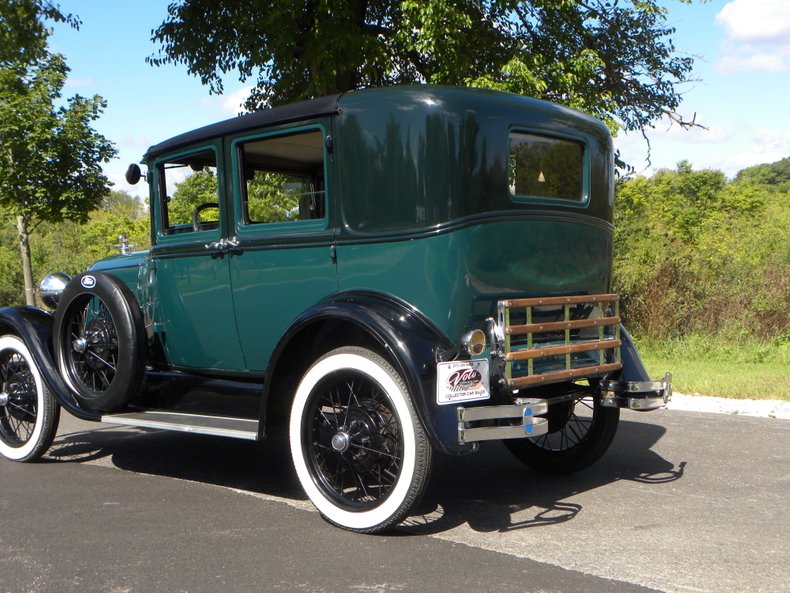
(51, 287)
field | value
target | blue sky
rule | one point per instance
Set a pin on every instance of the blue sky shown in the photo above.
(742, 50)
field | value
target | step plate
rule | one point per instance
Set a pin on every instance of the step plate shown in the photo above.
(237, 428)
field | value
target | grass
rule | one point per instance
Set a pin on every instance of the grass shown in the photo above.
(711, 366)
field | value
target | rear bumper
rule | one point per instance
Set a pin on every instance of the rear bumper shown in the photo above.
(519, 420)
(525, 418)
(637, 395)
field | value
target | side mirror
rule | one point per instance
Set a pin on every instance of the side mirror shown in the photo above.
(133, 174)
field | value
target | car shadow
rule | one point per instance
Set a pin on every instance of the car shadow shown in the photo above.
(489, 491)
(493, 491)
(263, 468)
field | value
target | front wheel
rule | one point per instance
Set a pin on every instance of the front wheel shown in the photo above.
(28, 411)
(580, 432)
(359, 449)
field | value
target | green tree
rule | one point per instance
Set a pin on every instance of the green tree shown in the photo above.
(274, 197)
(773, 176)
(23, 34)
(200, 187)
(614, 60)
(71, 247)
(50, 156)
(695, 253)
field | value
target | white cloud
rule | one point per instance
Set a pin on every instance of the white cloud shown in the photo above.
(756, 21)
(757, 36)
(722, 149)
(134, 141)
(732, 64)
(767, 146)
(667, 129)
(698, 135)
(233, 103)
(227, 105)
(775, 142)
(78, 83)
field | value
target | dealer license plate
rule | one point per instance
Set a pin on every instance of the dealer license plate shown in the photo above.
(462, 381)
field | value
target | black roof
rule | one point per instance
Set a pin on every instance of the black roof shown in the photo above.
(276, 115)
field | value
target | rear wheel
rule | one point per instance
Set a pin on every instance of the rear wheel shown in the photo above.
(358, 447)
(580, 432)
(28, 412)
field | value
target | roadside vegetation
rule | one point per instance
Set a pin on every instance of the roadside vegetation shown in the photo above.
(703, 265)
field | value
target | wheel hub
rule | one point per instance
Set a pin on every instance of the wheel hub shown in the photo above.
(99, 339)
(361, 438)
(341, 442)
(17, 396)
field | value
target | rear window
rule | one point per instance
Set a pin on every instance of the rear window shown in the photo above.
(544, 167)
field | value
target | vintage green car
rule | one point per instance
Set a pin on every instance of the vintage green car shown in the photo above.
(385, 274)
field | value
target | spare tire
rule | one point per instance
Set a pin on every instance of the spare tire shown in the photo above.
(100, 343)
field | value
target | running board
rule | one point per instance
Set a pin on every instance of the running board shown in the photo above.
(237, 428)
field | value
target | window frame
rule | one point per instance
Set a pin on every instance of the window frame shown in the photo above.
(244, 227)
(584, 200)
(161, 235)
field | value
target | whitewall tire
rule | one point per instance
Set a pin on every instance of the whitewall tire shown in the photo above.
(28, 412)
(359, 449)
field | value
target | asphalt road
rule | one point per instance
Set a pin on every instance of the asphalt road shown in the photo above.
(683, 502)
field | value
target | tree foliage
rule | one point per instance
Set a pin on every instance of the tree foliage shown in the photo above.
(614, 60)
(271, 197)
(50, 156)
(198, 188)
(23, 34)
(70, 246)
(696, 253)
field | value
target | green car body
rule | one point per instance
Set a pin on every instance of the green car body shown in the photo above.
(417, 208)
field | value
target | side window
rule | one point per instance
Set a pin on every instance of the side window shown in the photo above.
(189, 189)
(544, 167)
(283, 178)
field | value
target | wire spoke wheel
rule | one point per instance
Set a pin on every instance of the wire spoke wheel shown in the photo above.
(569, 424)
(92, 358)
(100, 342)
(580, 432)
(20, 409)
(358, 447)
(28, 413)
(354, 440)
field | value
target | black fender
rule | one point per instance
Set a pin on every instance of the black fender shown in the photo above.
(633, 368)
(34, 327)
(413, 345)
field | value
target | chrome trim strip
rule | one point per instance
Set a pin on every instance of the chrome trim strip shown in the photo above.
(237, 428)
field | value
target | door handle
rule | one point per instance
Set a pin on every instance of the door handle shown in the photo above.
(230, 245)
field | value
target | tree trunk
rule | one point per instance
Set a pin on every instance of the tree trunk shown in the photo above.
(27, 265)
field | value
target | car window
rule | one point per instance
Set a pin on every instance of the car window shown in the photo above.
(545, 167)
(283, 178)
(190, 190)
